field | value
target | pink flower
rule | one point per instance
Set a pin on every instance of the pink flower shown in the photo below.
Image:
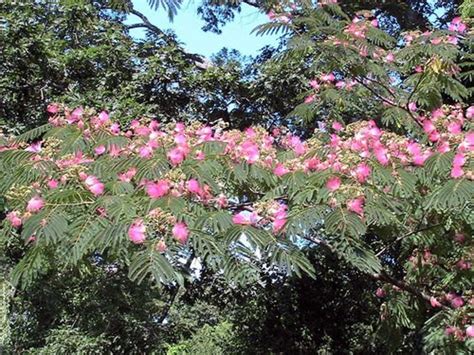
(278, 224)
(434, 136)
(337, 126)
(146, 151)
(374, 23)
(34, 148)
(128, 175)
(457, 302)
(99, 150)
(389, 58)
(35, 204)
(380, 293)
(328, 77)
(180, 232)
(470, 331)
(176, 156)
(161, 246)
(94, 185)
(97, 188)
(103, 117)
(457, 172)
(381, 155)
(412, 106)
(309, 99)
(333, 183)
(463, 265)
(280, 170)
(245, 218)
(454, 127)
(250, 152)
(115, 128)
(459, 160)
(52, 184)
(434, 302)
(158, 189)
(314, 84)
(14, 219)
(428, 126)
(362, 172)
(193, 186)
(52, 108)
(470, 112)
(137, 231)
(356, 205)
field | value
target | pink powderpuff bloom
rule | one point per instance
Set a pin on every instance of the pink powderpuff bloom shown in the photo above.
(314, 84)
(146, 151)
(99, 150)
(428, 126)
(280, 170)
(200, 155)
(309, 99)
(136, 232)
(157, 189)
(470, 331)
(459, 160)
(278, 224)
(97, 188)
(328, 77)
(161, 246)
(128, 175)
(434, 136)
(389, 58)
(94, 185)
(380, 293)
(250, 152)
(245, 218)
(454, 128)
(114, 128)
(241, 218)
(412, 107)
(356, 205)
(437, 113)
(333, 183)
(337, 126)
(463, 265)
(457, 302)
(193, 186)
(362, 172)
(381, 155)
(470, 112)
(176, 156)
(434, 302)
(52, 108)
(14, 219)
(35, 204)
(180, 232)
(103, 118)
(53, 184)
(457, 172)
(34, 148)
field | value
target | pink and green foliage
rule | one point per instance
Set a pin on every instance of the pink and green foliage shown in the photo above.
(392, 194)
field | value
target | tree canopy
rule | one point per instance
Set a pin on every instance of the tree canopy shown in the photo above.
(341, 160)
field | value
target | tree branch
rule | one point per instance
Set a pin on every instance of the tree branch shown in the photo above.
(383, 276)
(198, 59)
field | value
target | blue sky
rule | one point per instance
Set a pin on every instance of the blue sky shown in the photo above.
(187, 26)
